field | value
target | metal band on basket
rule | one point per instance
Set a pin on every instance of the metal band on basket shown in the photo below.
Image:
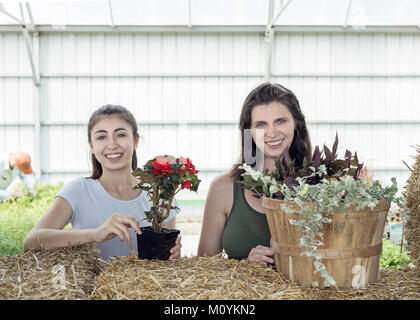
(330, 253)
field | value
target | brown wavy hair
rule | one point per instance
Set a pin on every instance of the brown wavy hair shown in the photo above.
(264, 94)
(109, 110)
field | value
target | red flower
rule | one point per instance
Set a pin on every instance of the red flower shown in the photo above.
(186, 185)
(162, 165)
(188, 165)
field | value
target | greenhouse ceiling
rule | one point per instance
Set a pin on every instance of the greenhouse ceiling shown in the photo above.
(63, 15)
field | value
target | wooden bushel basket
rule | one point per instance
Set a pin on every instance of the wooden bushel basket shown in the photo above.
(352, 250)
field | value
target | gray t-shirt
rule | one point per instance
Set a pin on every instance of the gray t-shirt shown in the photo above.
(92, 205)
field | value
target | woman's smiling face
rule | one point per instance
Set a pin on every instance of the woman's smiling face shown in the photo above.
(278, 125)
(112, 142)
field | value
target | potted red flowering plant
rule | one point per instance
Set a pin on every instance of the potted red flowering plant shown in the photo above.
(162, 178)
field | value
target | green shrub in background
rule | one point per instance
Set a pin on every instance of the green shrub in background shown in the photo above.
(391, 257)
(19, 215)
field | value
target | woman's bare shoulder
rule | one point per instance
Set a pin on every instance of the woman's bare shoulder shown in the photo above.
(220, 193)
(222, 182)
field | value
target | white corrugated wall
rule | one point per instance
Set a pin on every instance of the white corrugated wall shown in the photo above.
(186, 91)
(15, 95)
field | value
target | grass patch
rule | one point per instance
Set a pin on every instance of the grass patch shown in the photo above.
(391, 257)
(19, 215)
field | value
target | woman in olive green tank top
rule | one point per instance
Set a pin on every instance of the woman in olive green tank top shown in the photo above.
(245, 224)
(233, 219)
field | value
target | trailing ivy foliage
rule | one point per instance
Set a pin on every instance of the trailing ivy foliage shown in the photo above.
(331, 184)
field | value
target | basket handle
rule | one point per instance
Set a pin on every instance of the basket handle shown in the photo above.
(330, 254)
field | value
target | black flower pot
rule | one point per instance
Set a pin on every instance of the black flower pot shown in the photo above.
(156, 245)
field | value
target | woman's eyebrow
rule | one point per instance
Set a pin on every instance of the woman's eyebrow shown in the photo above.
(279, 118)
(259, 121)
(102, 130)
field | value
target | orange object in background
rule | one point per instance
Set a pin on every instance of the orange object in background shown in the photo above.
(23, 161)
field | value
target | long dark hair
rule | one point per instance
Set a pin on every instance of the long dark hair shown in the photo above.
(264, 94)
(109, 110)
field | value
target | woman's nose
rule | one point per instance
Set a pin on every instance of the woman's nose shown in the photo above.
(270, 131)
(111, 143)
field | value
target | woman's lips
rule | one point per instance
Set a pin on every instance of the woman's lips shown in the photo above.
(114, 157)
(274, 144)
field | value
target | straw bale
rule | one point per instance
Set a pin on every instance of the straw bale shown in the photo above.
(206, 278)
(60, 273)
(216, 278)
(30, 276)
(392, 284)
(412, 228)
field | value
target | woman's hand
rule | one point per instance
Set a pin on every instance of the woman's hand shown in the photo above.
(261, 254)
(176, 249)
(116, 226)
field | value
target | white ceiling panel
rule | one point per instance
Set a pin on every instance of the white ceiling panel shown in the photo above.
(213, 12)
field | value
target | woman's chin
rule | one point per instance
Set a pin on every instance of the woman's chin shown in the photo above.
(273, 154)
(116, 166)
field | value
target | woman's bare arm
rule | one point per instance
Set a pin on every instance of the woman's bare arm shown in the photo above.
(218, 204)
(49, 233)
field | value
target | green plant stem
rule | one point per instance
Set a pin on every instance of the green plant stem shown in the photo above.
(155, 224)
(168, 209)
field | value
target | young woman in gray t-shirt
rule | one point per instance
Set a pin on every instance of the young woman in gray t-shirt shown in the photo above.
(103, 209)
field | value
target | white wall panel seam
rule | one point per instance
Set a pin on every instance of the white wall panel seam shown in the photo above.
(224, 122)
(217, 75)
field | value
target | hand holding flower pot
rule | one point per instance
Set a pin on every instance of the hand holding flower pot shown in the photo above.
(162, 178)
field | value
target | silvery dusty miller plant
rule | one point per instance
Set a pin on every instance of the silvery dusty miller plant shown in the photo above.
(332, 184)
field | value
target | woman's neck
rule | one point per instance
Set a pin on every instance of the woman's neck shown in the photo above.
(269, 163)
(117, 182)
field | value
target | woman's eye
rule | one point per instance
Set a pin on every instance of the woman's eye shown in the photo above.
(100, 138)
(259, 125)
(281, 121)
(121, 135)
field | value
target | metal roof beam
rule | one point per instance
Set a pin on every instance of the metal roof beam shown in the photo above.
(273, 21)
(347, 14)
(269, 36)
(189, 14)
(216, 29)
(21, 22)
(28, 40)
(10, 15)
(29, 50)
(111, 14)
(333, 122)
(218, 75)
(31, 19)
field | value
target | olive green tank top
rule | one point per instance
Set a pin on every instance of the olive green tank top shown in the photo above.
(245, 229)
